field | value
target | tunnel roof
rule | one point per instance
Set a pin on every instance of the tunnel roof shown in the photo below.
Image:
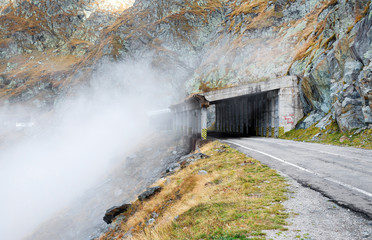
(192, 101)
(250, 88)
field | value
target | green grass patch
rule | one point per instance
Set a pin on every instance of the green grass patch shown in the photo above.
(332, 135)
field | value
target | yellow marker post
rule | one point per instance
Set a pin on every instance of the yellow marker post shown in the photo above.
(281, 131)
(204, 134)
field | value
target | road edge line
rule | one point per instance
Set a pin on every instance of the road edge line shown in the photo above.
(303, 169)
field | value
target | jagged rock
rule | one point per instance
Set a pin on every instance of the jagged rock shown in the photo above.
(149, 193)
(115, 211)
(362, 46)
(310, 120)
(316, 137)
(173, 167)
(351, 70)
(194, 157)
(325, 121)
(254, 49)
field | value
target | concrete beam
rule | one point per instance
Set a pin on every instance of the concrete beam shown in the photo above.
(251, 88)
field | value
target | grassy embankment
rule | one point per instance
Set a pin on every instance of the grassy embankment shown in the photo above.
(238, 198)
(332, 135)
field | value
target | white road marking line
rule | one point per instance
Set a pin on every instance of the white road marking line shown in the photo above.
(304, 169)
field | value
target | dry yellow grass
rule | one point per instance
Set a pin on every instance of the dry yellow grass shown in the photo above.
(238, 198)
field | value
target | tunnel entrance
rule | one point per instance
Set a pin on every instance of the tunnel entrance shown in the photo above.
(266, 108)
(249, 115)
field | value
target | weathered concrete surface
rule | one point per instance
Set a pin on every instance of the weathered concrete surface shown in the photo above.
(289, 106)
(342, 174)
(251, 88)
(266, 108)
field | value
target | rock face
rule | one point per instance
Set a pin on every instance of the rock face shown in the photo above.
(197, 45)
(114, 212)
(149, 193)
(338, 79)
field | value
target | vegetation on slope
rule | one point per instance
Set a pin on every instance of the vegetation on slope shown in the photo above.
(238, 197)
(332, 135)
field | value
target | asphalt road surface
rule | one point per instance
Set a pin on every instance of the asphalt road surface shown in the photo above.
(343, 174)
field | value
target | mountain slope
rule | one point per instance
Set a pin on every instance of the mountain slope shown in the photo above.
(197, 45)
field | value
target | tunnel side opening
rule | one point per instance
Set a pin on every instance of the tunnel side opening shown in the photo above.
(248, 115)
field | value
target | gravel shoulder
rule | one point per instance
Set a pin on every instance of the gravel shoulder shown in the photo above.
(313, 216)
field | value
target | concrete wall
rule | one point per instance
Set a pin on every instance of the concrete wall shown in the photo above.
(267, 108)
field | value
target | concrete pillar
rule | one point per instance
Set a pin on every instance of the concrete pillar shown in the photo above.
(259, 115)
(232, 116)
(233, 105)
(178, 122)
(276, 114)
(229, 118)
(198, 121)
(264, 116)
(253, 117)
(269, 100)
(245, 115)
(263, 121)
(218, 115)
(184, 119)
(290, 108)
(237, 120)
(241, 115)
(249, 115)
(193, 127)
(204, 123)
(224, 117)
(272, 111)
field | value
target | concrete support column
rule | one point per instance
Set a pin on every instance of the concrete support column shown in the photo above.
(245, 115)
(178, 122)
(253, 117)
(259, 116)
(276, 115)
(218, 117)
(290, 108)
(249, 116)
(229, 118)
(269, 100)
(232, 117)
(237, 120)
(198, 120)
(272, 112)
(204, 123)
(224, 117)
(241, 115)
(193, 127)
(184, 122)
(264, 116)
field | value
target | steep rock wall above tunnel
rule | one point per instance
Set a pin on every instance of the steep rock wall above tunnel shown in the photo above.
(202, 45)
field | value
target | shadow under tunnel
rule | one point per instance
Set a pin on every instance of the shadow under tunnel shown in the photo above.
(249, 115)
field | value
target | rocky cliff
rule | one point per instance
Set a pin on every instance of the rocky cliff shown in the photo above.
(48, 46)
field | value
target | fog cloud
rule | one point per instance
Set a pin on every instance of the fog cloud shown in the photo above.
(62, 156)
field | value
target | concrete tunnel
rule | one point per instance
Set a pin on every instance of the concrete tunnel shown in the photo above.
(268, 108)
(250, 115)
